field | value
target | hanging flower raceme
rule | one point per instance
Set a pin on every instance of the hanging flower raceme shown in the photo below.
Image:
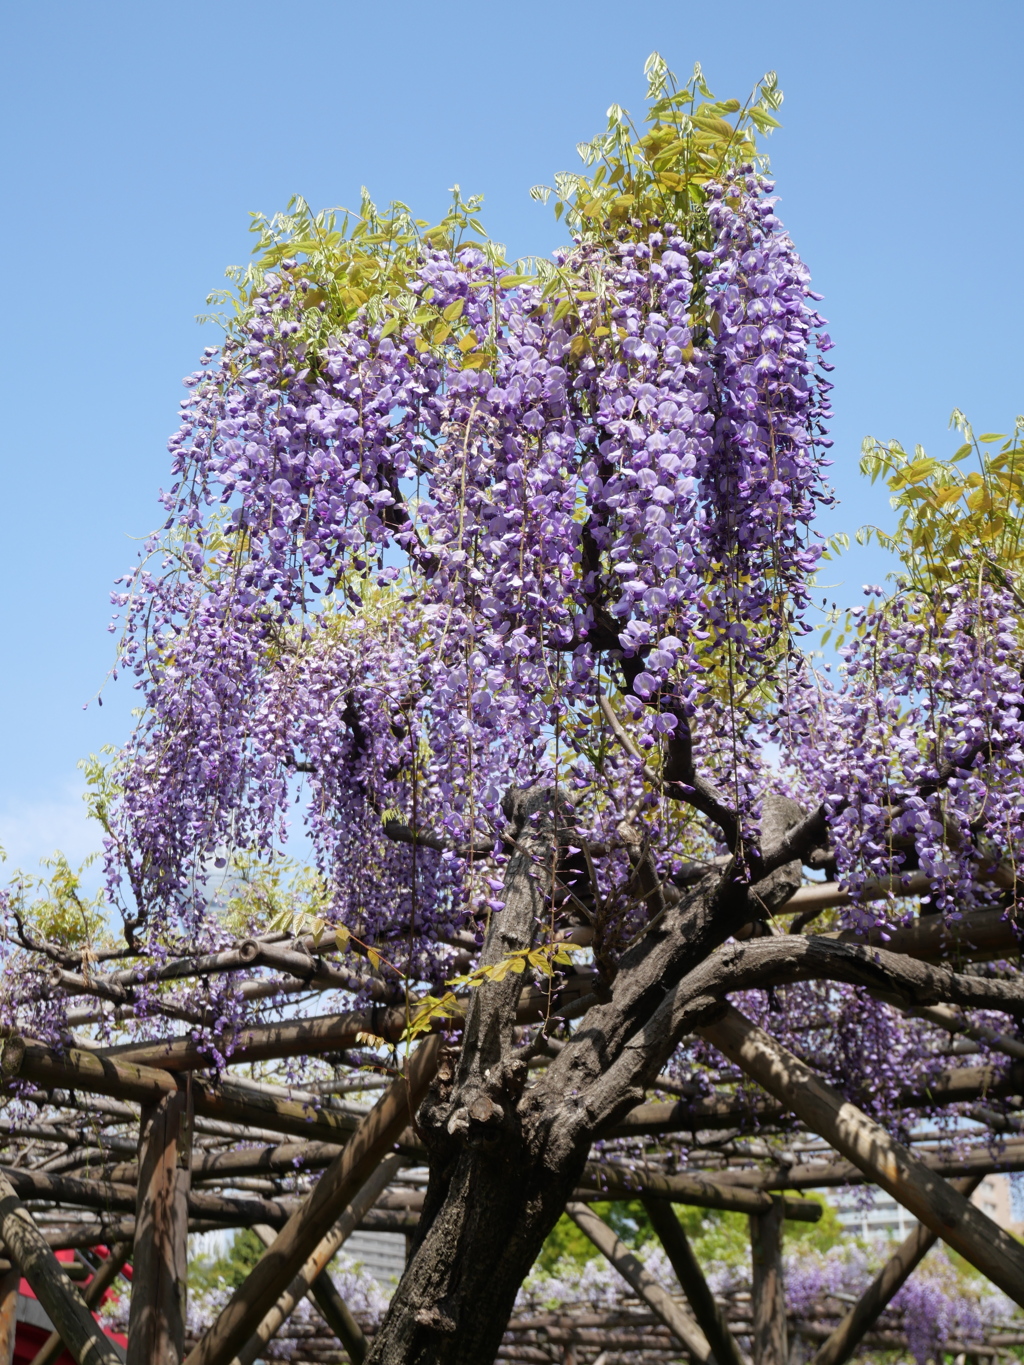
(918, 752)
(401, 563)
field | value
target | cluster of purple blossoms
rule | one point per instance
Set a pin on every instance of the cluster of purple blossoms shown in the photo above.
(402, 567)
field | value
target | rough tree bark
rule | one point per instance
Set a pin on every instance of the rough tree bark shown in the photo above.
(504, 1160)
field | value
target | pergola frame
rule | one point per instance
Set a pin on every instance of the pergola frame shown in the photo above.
(136, 1145)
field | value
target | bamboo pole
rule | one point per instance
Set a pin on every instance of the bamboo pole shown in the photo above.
(8, 1314)
(955, 1086)
(933, 938)
(710, 1318)
(886, 1162)
(307, 1227)
(261, 1042)
(60, 1299)
(812, 1175)
(607, 1182)
(101, 1194)
(156, 1322)
(93, 1296)
(281, 1157)
(81, 1070)
(768, 1338)
(848, 1335)
(680, 1324)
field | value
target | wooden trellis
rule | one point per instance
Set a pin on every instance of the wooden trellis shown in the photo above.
(132, 1147)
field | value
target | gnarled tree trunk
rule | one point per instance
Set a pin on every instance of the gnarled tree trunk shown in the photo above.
(504, 1159)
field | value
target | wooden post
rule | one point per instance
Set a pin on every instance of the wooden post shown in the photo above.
(710, 1318)
(8, 1314)
(84, 1338)
(156, 1322)
(93, 1296)
(885, 1161)
(768, 1338)
(680, 1324)
(333, 1308)
(339, 1318)
(840, 1346)
(374, 1138)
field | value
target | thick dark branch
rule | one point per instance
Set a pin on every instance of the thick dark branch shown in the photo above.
(699, 997)
(808, 834)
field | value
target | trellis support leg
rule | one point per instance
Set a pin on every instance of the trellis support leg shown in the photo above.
(641, 1281)
(30, 1251)
(105, 1276)
(856, 1136)
(710, 1317)
(156, 1320)
(845, 1339)
(770, 1345)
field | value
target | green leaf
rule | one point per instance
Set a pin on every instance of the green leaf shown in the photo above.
(990, 436)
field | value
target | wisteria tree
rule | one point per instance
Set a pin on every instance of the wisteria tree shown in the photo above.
(506, 576)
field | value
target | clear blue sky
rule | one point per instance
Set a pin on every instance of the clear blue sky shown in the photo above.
(139, 136)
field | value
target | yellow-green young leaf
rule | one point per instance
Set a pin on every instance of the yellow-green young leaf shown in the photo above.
(916, 472)
(389, 327)
(441, 334)
(564, 306)
(963, 452)
(499, 971)
(509, 281)
(672, 180)
(942, 497)
(369, 1040)
(586, 294)
(454, 310)
(517, 964)
(476, 361)
(374, 958)
(993, 436)
(467, 342)
(341, 934)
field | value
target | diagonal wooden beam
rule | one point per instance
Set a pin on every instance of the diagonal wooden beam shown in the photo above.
(84, 1338)
(314, 1279)
(866, 1143)
(710, 1318)
(8, 1314)
(660, 1302)
(845, 1339)
(105, 1276)
(348, 1173)
(339, 1319)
